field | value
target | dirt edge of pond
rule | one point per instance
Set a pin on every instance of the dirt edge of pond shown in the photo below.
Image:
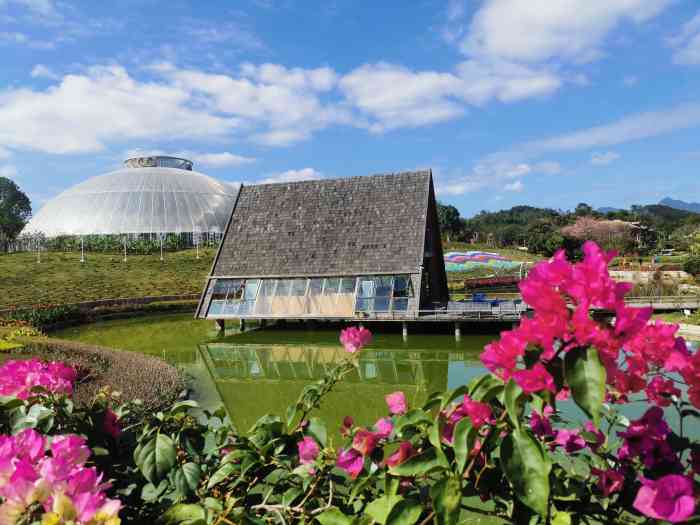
(137, 376)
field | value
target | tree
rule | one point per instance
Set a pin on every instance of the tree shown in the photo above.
(450, 221)
(15, 210)
(583, 209)
(544, 237)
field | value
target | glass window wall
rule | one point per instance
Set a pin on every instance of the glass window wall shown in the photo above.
(323, 297)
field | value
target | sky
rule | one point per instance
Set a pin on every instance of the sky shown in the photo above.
(539, 102)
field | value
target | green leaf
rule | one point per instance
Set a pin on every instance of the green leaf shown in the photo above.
(317, 428)
(151, 493)
(561, 518)
(419, 465)
(290, 495)
(333, 516)
(184, 514)
(405, 512)
(413, 417)
(585, 375)
(463, 441)
(446, 495)
(156, 458)
(452, 395)
(380, 508)
(527, 469)
(221, 474)
(485, 388)
(512, 396)
(192, 475)
(183, 406)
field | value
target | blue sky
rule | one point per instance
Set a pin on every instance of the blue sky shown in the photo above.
(540, 102)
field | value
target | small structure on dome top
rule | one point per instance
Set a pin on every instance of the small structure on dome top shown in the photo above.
(359, 248)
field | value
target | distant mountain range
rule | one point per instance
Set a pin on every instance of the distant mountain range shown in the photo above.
(680, 205)
(608, 209)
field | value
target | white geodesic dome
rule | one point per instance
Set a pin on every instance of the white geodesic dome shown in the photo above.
(148, 196)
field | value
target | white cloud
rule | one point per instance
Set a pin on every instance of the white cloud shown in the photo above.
(604, 158)
(8, 171)
(542, 30)
(516, 186)
(392, 96)
(44, 8)
(547, 167)
(293, 176)
(687, 43)
(219, 160)
(17, 38)
(41, 71)
(83, 112)
(627, 129)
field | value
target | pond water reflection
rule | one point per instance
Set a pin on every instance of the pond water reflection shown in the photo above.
(263, 371)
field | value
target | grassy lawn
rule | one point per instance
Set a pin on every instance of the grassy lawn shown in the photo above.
(60, 278)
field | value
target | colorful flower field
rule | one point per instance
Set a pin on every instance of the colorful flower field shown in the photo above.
(472, 260)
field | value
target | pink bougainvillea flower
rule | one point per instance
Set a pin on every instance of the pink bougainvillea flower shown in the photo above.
(645, 438)
(668, 498)
(384, 427)
(308, 450)
(404, 452)
(351, 461)
(540, 424)
(479, 413)
(18, 378)
(29, 444)
(70, 448)
(365, 441)
(396, 403)
(534, 379)
(570, 440)
(609, 481)
(110, 424)
(660, 391)
(353, 338)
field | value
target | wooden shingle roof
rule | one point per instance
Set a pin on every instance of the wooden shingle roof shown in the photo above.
(351, 226)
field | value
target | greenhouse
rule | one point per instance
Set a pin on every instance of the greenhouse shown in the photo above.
(149, 199)
(360, 247)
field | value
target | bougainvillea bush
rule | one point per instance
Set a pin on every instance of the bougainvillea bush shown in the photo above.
(500, 447)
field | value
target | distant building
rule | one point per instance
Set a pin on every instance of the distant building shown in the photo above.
(353, 248)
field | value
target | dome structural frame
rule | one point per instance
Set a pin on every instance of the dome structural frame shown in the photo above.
(150, 196)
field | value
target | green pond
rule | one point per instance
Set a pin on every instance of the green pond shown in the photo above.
(262, 371)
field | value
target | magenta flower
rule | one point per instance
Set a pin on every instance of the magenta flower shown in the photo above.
(570, 440)
(308, 450)
(353, 339)
(384, 427)
(668, 498)
(18, 378)
(110, 424)
(346, 428)
(645, 438)
(609, 481)
(540, 424)
(70, 448)
(534, 379)
(396, 403)
(404, 452)
(479, 413)
(365, 441)
(351, 461)
(660, 391)
(599, 436)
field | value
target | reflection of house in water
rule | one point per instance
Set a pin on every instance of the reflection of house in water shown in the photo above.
(258, 379)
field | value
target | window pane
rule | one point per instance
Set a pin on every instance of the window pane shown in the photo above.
(299, 287)
(384, 286)
(283, 287)
(401, 286)
(315, 286)
(268, 288)
(400, 304)
(251, 289)
(347, 285)
(331, 286)
(367, 287)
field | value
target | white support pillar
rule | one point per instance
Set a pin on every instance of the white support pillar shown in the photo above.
(404, 330)
(124, 249)
(458, 332)
(82, 250)
(161, 247)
